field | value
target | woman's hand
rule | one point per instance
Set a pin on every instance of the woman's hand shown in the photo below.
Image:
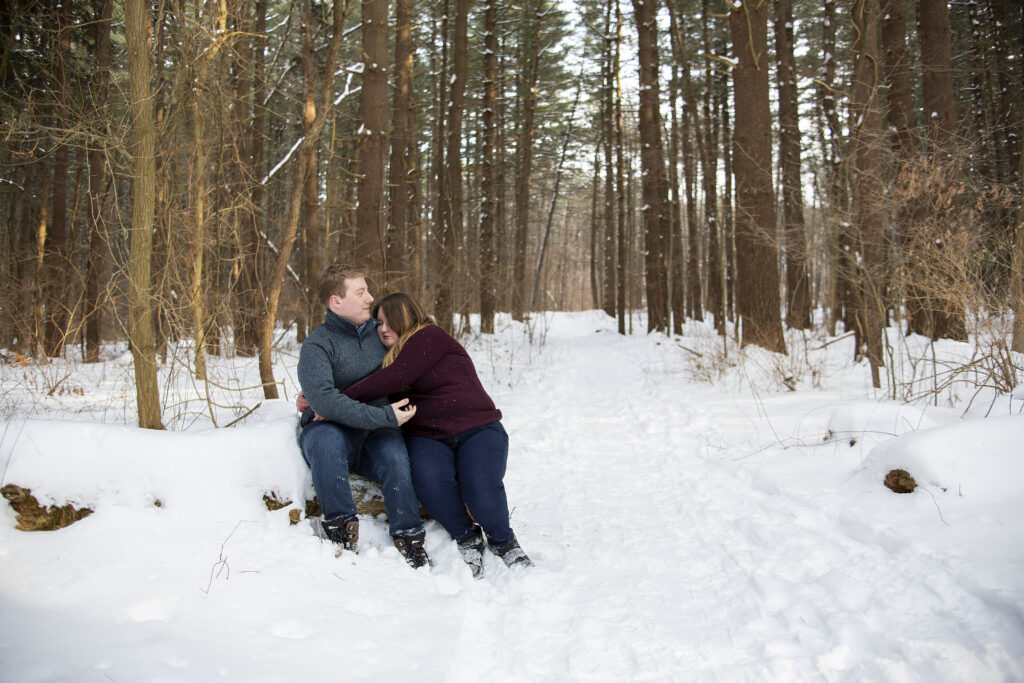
(403, 411)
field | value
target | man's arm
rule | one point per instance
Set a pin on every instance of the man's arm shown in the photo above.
(421, 352)
(403, 411)
(316, 377)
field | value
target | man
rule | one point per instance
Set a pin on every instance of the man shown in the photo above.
(353, 436)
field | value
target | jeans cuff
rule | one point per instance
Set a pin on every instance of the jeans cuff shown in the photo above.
(407, 532)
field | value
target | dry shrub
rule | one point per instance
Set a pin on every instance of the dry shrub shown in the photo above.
(32, 516)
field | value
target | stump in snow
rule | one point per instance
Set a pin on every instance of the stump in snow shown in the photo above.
(900, 481)
(32, 516)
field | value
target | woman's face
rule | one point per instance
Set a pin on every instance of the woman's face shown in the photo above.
(386, 334)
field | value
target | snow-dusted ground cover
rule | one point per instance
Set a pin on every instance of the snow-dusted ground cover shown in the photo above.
(682, 530)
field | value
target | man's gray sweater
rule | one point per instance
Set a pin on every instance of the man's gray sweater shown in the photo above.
(335, 356)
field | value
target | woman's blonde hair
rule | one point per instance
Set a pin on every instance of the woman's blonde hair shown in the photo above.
(405, 317)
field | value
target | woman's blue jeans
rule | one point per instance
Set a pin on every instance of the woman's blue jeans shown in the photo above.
(465, 470)
(332, 451)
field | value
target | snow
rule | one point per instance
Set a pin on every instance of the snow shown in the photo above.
(682, 530)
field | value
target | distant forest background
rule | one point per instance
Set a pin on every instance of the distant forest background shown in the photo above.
(180, 171)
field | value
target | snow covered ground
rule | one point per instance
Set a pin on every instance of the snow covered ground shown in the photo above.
(682, 531)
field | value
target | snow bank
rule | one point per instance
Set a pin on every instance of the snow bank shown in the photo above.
(974, 460)
(97, 465)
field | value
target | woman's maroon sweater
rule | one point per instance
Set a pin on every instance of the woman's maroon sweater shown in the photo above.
(437, 376)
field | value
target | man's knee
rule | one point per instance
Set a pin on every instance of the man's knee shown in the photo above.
(325, 440)
(388, 454)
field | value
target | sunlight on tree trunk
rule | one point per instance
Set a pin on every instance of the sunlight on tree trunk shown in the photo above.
(140, 332)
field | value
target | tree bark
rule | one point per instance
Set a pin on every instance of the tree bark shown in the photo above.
(375, 116)
(290, 231)
(652, 159)
(899, 100)
(869, 188)
(397, 243)
(1017, 271)
(99, 185)
(489, 181)
(197, 245)
(249, 288)
(566, 138)
(308, 213)
(798, 308)
(58, 266)
(608, 130)
(451, 199)
(943, 315)
(756, 251)
(709, 181)
(140, 306)
(527, 97)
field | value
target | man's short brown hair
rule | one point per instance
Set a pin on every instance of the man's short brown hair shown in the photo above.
(332, 280)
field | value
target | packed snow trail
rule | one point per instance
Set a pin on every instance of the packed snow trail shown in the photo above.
(670, 566)
(675, 540)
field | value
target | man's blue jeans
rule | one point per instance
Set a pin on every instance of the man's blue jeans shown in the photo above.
(332, 451)
(465, 470)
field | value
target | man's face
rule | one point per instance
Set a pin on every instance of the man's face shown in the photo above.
(355, 305)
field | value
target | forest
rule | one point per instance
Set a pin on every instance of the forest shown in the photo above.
(175, 173)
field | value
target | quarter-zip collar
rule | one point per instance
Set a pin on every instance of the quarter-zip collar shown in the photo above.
(339, 324)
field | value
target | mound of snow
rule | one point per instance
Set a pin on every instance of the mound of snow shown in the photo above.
(976, 459)
(98, 465)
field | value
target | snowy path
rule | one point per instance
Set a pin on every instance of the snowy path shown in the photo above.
(673, 567)
(673, 542)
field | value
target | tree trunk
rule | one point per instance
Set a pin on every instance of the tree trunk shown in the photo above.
(290, 231)
(621, 263)
(868, 186)
(197, 245)
(374, 113)
(798, 309)
(900, 120)
(566, 138)
(397, 243)
(608, 300)
(489, 181)
(527, 97)
(99, 184)
(756, 251)
(652, 159)
(943, 315)
(140, 303)
(451, 199)
(1017, 271)
(835, 189)
(58, 266)
(677, 289)
(596, 221)
(709, 167)
(249, 288)
(899, 100)
(308, 214)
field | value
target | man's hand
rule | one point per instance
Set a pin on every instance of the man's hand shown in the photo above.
(403, 411)
(301, 404)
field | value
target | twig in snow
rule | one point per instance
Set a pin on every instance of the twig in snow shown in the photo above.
(222, 562)
(936, 504)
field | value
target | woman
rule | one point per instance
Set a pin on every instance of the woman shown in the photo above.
(457, 446)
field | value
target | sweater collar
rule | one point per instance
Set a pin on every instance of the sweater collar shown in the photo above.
(339, 324)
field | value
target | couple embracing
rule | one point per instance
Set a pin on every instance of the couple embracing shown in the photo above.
(453, 452)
